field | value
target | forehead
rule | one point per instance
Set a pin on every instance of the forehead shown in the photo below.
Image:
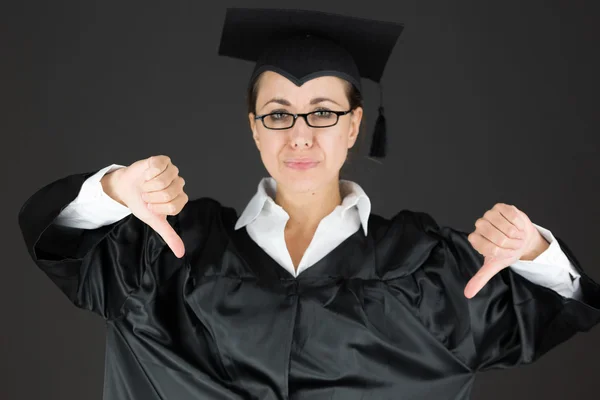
(271, 84)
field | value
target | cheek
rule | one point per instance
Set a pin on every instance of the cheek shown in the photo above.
(271, 145)
(335, 146)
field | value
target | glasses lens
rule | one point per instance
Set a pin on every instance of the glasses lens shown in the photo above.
(278, 121)
(322, 118)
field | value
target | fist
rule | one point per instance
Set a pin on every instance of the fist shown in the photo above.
(151, 189)
(503, 235)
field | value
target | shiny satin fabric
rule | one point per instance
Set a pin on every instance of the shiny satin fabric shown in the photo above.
(380, 317)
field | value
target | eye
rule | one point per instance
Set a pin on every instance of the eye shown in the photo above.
(324, 115)
(277, 116)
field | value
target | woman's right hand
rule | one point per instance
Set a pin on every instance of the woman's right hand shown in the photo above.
(151, 189)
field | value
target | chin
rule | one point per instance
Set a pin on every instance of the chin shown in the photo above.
(302, 181)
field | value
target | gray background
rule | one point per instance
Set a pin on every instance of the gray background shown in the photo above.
(487, 102)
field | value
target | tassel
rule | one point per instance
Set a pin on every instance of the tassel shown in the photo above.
(378, 143)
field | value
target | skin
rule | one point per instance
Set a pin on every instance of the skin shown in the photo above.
(306, 195)
(152, 188)
(503, 235)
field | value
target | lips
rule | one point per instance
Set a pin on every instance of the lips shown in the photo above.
(301, 163)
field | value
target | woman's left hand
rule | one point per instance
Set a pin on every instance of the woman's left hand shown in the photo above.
(503, 235)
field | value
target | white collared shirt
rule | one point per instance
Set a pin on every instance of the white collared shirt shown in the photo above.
(265, 222)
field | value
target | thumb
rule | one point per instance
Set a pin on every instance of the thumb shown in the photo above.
(491, 266)
(161, 226)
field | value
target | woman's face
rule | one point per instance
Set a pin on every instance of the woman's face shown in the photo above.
(303, 158)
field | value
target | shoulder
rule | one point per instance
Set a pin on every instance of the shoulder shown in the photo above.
(207, 209)
(402, 243)
(205, 215)
(404, 222)
(425, 224)
(412, 241)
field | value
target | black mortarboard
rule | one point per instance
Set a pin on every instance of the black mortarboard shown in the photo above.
(302, 45)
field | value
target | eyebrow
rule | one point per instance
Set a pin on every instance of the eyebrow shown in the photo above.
(277, 100)
(318, 100)
(284, 102)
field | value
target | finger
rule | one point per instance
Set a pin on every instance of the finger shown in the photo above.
(503, 225)
(489, 249)
(167, 194)
(172, 207)
(161, 226)
(156, 165)
(162, 180)
(486, 229)
(489, 269)
(523, 216)
(511, 213)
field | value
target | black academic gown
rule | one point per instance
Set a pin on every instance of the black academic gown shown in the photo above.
(380, 317)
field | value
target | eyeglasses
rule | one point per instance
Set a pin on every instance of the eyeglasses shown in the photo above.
(314, 119)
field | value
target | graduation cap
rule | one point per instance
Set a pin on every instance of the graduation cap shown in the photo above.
(302, 45)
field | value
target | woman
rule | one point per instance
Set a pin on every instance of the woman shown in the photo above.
(307, 295)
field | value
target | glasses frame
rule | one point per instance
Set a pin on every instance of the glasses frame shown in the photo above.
(303, 115)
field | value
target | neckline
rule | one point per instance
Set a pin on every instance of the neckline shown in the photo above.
(353, 257)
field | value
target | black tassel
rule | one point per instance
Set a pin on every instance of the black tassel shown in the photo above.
(378, 143)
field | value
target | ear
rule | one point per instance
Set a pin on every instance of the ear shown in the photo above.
(253, 128)
(355, 120)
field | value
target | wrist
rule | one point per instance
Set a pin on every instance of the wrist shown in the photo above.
(110, 183)
(540, 245)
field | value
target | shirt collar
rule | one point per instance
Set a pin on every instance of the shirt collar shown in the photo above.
(352, 194)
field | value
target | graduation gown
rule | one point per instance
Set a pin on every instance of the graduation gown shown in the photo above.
(382, 316)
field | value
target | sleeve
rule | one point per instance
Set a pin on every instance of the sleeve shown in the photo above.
(551, 269)
(97, 269)
(512, 321)
(92, 208)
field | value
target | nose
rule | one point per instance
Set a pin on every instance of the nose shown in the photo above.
(301, 135)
